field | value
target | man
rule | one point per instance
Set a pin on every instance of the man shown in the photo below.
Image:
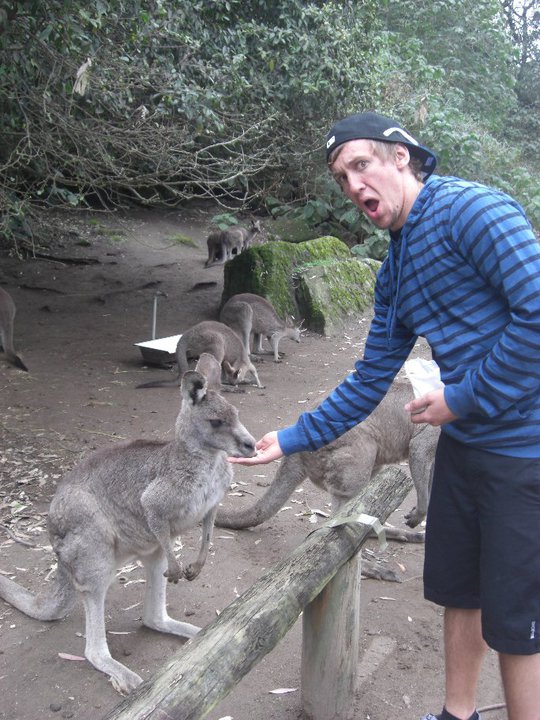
(463, 271)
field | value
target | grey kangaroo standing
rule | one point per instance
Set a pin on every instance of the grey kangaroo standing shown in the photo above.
(218, 339)
(224, 245)
(250, 314)
(7, 316)
(346, 465)
(130, 501)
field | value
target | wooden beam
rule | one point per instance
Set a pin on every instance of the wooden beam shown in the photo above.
(209, 666)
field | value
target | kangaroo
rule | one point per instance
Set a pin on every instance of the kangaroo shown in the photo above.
(346, 465)
(249, 314)
(130, 501)
(7, 315)
(219, 340)
(224, 245)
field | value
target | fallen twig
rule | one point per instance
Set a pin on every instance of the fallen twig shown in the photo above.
(16, 538)
(488, 708)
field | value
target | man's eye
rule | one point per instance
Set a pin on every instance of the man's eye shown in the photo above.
(216, 423)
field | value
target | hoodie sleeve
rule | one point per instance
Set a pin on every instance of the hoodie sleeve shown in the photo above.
(493, 234)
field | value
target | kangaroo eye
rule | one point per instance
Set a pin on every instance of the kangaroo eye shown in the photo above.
(216, 423)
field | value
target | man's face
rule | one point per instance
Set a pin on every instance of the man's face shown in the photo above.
(384, 190)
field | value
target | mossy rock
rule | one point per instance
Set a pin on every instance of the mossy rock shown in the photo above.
(329, 295)
(292, 230)
(269, 270)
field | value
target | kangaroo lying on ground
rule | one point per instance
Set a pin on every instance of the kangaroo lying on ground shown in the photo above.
(224, 245)
(249, 314)
(7, 315)
(130, 501)
(219, 340)
(346, 465)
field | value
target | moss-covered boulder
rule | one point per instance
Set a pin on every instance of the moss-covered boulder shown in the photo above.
(291, 229)
(269, 269)
(318, 280)
(331, 294)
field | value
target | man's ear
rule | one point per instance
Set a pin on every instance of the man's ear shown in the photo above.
(402, 156)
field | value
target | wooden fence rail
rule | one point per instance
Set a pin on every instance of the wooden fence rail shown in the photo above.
(209, 666)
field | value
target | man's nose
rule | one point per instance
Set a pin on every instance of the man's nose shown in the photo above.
(355, 185)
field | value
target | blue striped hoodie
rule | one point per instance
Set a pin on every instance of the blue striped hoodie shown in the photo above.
(464, 273)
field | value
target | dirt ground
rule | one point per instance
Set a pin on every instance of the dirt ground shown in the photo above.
(76, 326)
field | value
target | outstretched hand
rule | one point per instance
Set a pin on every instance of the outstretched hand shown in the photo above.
(431, 408)
(267, 448)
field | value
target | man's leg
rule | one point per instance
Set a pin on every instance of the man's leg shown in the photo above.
(451, 573)
(464, 652)
(521, 681)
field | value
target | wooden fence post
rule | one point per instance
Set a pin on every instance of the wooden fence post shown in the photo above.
(330, 646)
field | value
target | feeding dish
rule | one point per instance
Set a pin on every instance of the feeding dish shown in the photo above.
(161, 351)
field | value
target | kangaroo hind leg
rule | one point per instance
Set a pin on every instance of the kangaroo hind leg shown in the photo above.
(94, 573)
(155, 615)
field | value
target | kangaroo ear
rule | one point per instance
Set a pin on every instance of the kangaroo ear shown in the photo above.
(194, 387)
(208, 366)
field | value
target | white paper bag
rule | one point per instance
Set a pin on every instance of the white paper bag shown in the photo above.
(424, 376)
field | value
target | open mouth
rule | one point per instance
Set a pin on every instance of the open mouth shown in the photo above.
(372, 205)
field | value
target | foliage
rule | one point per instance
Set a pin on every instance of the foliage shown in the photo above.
(112, 102)
(449, 72)
(460, 80)
(180, 99)
(224, 220)
(523, 21)
(463, 43)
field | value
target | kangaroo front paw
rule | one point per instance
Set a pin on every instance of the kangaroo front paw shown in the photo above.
(174, 572)
(192, 571)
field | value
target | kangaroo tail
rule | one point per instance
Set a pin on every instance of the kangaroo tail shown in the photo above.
(52, 603)
(290, 474)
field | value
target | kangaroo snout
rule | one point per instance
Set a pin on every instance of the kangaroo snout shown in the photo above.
(246, 448)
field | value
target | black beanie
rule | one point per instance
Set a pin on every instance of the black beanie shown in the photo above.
(371, 126)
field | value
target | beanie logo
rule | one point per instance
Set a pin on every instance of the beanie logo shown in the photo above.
(330, 142)
(406, 135)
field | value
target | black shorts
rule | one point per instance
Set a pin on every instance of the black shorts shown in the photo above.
(483, 542)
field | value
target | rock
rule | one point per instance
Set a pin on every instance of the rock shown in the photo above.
(319, 280)
(330, 295)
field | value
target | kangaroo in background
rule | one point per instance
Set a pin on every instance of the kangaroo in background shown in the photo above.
(224, 245)
(218, 339)
(130, 501)
(7, 316)
(346, 465)
(249, 314)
